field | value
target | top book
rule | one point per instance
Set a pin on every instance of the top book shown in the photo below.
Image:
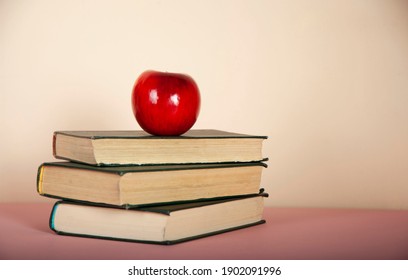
(139, 148)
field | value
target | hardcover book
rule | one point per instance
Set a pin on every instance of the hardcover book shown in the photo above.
(167, 224)
(131, 186)
(138, 147)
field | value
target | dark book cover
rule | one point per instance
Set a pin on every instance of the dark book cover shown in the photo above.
(135, 134)
(122, 169)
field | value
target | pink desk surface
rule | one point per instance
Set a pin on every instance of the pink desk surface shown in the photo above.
(289, 234)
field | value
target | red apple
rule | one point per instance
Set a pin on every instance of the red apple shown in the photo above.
(165, 104)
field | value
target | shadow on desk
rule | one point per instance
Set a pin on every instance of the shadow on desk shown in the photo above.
(19, 215)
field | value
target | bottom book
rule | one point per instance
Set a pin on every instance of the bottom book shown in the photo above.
(166, 224)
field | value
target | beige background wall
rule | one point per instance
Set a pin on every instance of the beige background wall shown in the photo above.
(327, 81)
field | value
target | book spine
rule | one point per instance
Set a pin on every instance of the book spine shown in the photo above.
(40, 179)
(52, 216)
(54, 144)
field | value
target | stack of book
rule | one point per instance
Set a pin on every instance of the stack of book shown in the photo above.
(131, 186)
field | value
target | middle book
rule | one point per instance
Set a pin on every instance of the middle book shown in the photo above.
(132, 186)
